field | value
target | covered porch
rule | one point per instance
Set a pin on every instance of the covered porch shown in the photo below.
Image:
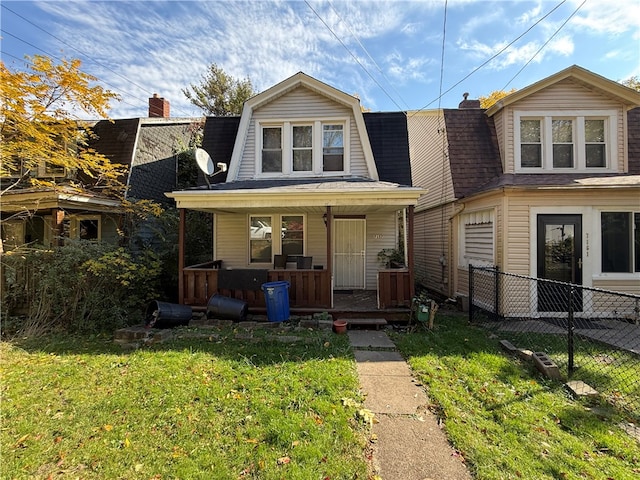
(336, 229)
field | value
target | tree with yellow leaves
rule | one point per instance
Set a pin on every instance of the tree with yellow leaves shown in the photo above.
(493, 97)
(39, 108)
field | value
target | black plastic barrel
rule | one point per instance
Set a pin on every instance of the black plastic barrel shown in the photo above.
(167, 315)
(228, 308)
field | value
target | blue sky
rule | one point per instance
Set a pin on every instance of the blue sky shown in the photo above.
(389, 53)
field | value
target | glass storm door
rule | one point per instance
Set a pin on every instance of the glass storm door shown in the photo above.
(559, 258)
(349, 253)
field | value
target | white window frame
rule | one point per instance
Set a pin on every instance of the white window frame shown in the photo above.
(597, 244)
(276, 240)
(481, 217)
(579, 142)
(287, 146)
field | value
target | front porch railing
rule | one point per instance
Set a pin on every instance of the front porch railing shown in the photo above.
(308, 288)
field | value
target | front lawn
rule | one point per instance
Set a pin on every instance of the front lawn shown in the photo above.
(209, 408)
(507, 420)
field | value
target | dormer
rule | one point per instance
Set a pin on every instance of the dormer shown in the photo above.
(572, 122)
(302, 128)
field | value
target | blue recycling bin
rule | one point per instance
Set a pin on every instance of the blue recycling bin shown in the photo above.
(276, 295)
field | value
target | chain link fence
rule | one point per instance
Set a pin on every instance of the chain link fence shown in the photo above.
(592, 335)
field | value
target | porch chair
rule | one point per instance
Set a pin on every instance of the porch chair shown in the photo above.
(280, 261)
(304, 263)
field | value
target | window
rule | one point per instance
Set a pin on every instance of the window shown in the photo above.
(620, 242)
(302, 148)
(264, 242)
(332, 148)
(595, 150)
(292, 235)
(477, 242)
(562, 136)
(272, 149)
(89, 229)
(565, 142)
(260, 239)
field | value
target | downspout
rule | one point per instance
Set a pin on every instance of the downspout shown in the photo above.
(181, 252)
(329, 225)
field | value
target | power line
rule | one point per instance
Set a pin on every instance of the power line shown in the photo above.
(367, 53)
(492, 58)
(85, 55)
(352, 55)
(544, 44)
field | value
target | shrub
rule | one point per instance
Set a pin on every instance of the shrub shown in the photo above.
(79, 287)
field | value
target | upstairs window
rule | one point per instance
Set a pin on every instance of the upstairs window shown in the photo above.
(562, 134)
(272, 149)
(332, 148)
(302, 148)
(595, 146)
(530, 143)
(566, 142)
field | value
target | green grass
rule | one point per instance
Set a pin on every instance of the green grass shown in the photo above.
(216, 408)
(506, 419)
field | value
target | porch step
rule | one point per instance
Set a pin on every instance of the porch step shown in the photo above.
(365, 322)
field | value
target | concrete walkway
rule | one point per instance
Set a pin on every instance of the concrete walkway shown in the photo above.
(410, 444)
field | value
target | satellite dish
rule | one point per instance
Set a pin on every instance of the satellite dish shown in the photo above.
(204, 162)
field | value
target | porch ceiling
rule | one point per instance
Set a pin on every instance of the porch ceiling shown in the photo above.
(378, 196)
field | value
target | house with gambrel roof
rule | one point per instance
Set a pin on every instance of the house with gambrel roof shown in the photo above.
(557, 161)
(314, 190)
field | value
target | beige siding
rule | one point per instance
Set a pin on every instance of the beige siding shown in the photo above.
(628, 286)
(381, 233)
(432, 236)
(564, 95)
(429, 165)
(232, 239)
(231, 244)
(302, 104)
(499, 123)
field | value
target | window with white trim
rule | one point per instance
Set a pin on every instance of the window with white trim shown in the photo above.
(302, 148)
(565, 141)
(264, 242)
(477, 239)
(620, 242)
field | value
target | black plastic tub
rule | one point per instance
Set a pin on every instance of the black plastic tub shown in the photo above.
(167, 315)
(227, 308)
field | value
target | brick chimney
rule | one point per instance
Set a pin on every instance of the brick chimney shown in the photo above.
(468, 103)
(158, 107)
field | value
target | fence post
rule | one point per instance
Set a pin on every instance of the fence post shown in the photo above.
(471, 293)
(496, 286)
(570, 327)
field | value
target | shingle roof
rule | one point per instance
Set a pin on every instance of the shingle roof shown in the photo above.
(474, 155)
(153, 171)
(115, 139)
(387, 132)
(218, 139)
(389, 139)
(476, 166)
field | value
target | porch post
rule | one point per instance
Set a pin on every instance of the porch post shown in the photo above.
(410, 256)
(181, 235)
(330, 251)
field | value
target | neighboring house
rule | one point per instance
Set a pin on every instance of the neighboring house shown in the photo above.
(148, 146)
(305, 161)
(556, 163)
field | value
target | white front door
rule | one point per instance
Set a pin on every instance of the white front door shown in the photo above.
(349, 253)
